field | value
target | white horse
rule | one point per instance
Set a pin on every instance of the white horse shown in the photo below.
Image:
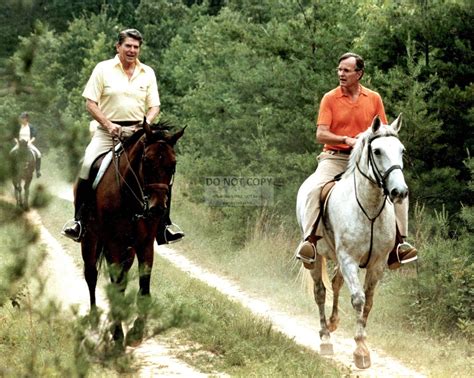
(359, 228)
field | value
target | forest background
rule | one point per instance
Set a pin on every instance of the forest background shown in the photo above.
(246, 77)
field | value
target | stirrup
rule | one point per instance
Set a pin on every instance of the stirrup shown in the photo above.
(306, 259)
(69, 226)
(173, 229)
(409, 248)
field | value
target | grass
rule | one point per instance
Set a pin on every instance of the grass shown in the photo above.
(207, 327)
(264, 265)
(214, 333)
(37, 339)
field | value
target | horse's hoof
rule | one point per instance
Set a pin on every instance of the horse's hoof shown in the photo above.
(326, 349)
(332, 325)
(136, 334)
(362, 361)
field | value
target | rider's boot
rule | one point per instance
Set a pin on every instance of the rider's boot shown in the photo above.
(306, 251)
(168, 232)
(402, 253)
(38, 167)
(73, 229)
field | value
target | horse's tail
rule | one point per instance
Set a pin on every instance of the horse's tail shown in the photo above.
(324, 275)
(307, 281)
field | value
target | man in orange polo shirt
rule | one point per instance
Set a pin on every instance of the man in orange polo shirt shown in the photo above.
(344, 113)
(119, 93)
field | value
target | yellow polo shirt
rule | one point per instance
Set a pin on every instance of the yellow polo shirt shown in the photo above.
(121, 98)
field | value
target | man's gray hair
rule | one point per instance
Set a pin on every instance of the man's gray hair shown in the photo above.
(360, 65)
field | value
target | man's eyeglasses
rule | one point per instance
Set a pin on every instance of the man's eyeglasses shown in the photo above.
(345, 70)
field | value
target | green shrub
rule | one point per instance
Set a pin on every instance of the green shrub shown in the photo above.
(441, 296)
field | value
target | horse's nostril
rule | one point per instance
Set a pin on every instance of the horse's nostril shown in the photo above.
(399, 193)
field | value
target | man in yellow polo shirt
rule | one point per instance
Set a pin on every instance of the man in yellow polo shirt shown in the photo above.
(119, 93)
(344, 113)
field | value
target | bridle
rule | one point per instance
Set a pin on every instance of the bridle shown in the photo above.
(380, 181)
(144, 188)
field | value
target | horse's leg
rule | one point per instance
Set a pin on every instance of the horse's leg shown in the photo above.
(26, 193)
(319, 291)
(118, 268)
(90, 248)
(337, 282)
(17, 193)
(349, 269)
(145, 264)
(362, 354)
(22, 196)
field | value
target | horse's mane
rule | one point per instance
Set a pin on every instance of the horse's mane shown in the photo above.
(160, 131)
(363, 140)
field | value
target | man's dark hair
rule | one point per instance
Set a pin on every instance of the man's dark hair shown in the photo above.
(130, 33)
(360, 65)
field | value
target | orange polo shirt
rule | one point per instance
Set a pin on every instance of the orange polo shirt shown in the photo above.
(121, 98)
(349, 118)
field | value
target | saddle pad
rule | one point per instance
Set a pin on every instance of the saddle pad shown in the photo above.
(105, 164)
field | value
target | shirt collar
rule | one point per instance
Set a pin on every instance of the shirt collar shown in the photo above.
(363, 91)
(117, 62)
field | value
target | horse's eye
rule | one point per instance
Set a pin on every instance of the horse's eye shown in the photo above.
(377, 152)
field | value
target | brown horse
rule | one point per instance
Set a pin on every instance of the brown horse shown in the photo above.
(130, 202)
(23, 166)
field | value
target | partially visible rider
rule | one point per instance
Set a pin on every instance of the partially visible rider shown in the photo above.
(28, 134)
(119, 94)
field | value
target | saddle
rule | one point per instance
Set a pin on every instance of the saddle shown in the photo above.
(323, 199)
(104, 164)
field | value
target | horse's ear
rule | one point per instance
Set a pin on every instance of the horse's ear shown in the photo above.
(146, 127)
(397, 124)
(174, 138)
(376, 123)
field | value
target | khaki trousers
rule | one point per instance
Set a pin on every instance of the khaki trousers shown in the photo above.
(100, 143)
(330, 165)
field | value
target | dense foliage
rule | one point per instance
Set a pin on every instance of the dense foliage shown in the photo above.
(246, 76)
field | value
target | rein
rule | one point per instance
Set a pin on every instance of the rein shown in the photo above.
(379, 178)
(141, 198)
(380, 182)
(372, 221)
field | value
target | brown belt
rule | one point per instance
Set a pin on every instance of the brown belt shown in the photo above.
(127, 123)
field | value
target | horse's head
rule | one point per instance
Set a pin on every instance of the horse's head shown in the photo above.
(158, 165)
(23, 157)
(22, 144)
(383, 152)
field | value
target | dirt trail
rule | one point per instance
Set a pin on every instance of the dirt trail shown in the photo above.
(66, 286)
(302, 330)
